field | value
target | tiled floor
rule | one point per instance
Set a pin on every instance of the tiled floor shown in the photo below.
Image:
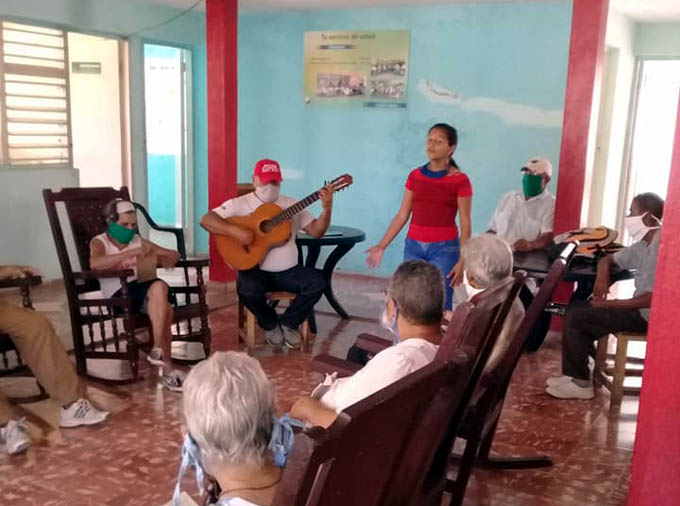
(133, 458)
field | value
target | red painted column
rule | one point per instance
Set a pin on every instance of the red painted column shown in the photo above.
(656, 457)
(579, 125)
(222, 58)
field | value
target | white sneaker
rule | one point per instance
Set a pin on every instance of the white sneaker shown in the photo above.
(274, 337)
(553, 381)
(291, 337)
(81, 412)
(15, 436)
(570, 390)
(173, 380)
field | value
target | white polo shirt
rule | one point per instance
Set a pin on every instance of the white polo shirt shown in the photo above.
(281, 257)
(385, 368)
(517, 218)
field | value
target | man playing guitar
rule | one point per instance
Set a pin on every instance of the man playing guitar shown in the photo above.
(279, 270)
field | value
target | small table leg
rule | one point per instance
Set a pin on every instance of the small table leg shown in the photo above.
(328, 268)
(313, 252)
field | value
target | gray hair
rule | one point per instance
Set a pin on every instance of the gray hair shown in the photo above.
(228, 406)
(417, 288)
(487, 259)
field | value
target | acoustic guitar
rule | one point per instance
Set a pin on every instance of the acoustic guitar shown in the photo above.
(270, 226)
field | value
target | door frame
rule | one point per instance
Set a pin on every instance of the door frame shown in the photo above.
(185, 198)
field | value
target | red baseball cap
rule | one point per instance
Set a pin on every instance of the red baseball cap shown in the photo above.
(267, 171)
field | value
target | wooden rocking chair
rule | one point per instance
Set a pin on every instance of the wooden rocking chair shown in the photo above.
(104, 328)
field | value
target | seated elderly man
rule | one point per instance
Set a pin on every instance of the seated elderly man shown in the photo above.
(413, 310)
(525, 218)
(41, 349)
(120, 247)
(229, 409)
(488, 261)
(585, 323)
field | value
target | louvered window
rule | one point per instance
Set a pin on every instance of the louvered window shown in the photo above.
(34, 108)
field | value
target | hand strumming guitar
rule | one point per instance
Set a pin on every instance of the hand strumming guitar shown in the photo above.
(243, 235)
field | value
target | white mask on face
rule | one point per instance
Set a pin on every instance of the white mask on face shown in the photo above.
(636, 227)
(268, 193)
(464, 291)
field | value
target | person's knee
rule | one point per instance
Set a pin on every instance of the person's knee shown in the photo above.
(158, 291)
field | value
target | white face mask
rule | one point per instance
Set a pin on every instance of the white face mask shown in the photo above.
(636, 227)
(464, 291)
(268, 193)
(390, 323)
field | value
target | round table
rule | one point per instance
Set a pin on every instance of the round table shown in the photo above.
(344, 239)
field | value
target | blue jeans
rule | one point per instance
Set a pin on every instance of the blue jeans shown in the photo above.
(443, 255)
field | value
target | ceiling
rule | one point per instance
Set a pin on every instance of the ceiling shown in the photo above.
(639, 10)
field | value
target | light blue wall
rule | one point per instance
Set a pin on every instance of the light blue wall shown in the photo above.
(115, 18)
(507, 61)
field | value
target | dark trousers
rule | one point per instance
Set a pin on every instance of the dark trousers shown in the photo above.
(357, 355)
(541, 327)
(253, 284)
(584, 324)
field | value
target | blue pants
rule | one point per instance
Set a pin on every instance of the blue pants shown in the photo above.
(443, 255)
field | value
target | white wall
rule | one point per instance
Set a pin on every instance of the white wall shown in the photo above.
(621, 36)
(95, 111)
(26, 237)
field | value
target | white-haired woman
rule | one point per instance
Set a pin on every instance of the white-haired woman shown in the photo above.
(488, 261)
(231, 432)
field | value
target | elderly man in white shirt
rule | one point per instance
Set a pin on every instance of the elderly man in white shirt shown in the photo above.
(413, 311)
(524, 217)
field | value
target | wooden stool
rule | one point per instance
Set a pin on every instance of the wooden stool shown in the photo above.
(246, 322)
(619, 370)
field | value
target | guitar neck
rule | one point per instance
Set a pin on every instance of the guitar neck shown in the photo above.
(291, 211)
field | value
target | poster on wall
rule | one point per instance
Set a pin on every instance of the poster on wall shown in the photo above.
(356, 68)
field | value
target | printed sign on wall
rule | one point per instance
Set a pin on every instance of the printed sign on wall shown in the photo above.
(357, 68)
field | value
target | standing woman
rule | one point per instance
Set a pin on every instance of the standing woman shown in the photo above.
(434, 194)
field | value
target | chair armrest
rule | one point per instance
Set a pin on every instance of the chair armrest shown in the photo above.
(193, 262)
(87, 275)
(327, 364)
(372, 344)
(20, 282)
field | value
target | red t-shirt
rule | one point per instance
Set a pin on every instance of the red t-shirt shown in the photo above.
(435, 204)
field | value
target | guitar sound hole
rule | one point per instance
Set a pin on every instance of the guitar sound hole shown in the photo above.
(266, 226)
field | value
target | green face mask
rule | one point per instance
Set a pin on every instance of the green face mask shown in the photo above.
(532, 185)
(121, 234)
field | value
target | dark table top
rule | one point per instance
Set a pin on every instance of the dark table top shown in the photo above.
(17, 282)
(334, 235)
(537, 264)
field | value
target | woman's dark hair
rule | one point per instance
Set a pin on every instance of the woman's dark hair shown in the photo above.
(451, 134)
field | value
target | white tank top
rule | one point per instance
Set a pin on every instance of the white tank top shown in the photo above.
(109, 286)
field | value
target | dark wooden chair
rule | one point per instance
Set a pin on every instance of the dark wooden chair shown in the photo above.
(104, 328)
(465, 348)
(11, 363)
(483, 413)
(352, 462)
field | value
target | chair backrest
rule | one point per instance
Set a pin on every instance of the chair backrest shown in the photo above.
(477, 338)
(351, 462)
(496, 381)
(84, 209)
